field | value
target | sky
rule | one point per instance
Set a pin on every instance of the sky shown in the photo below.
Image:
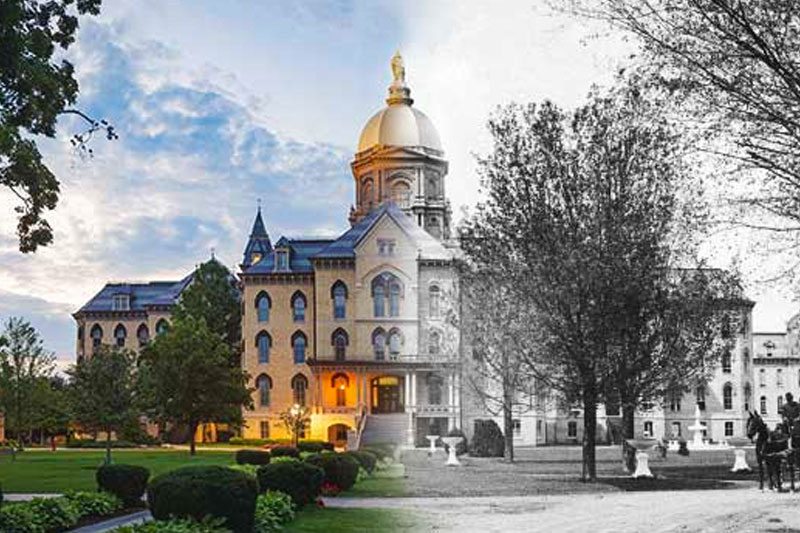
(220, 104)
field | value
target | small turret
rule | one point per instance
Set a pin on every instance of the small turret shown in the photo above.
(259, 245)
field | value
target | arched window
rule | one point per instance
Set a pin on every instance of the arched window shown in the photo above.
(379, 344)
(366, 193)
(700, 393)
(378, 298)
(162, 326)
(386, 285)
(264, 386)
(299, 347)
(340, 341)
(339, 297)
(395, 289)
(798, 377)
(401, 194)
(780, 403)
(726, 362)
(263, 343)
(434, 389)
(395, 341)
(80, 333)
(263, 305)
(143, 334)
(340, 382)
(748, 396)
(434, 295)
(763, 405)
(119, 335)
(762, 377)
(727, 396)
(434, 343)
(299, 307)
(779, 377)
(97, 336)
(299, 388)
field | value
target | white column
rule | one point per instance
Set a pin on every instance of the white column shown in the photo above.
(457, 401)
(450, 401)
(407, 391)
(358, 389)
(414, 389)
(367, 391)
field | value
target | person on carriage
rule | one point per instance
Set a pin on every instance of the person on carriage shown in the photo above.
(791, 419)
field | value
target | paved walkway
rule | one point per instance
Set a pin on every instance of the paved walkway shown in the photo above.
(27, 496)
(126, 520)
(740, 510)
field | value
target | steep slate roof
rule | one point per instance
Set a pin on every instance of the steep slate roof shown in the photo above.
(258, 242)
(428, 246)
(142, 295)
(303, 251)
(300, 253)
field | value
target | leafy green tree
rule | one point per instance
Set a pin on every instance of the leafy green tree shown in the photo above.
(24, 362)
(296, 419)
(51, 408)
(186, 378)
(36, 86)
(214, 297)
(102, 391)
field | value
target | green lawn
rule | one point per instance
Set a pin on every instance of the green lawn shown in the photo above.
(381, 484)
(46, 471)
(312, 519)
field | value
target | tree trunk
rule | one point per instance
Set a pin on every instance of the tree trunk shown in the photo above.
(628, 454)
(589, 432)
(192, 431)
(108, 446)
(508, 429)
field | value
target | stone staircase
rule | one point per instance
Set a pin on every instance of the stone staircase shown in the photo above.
(389, 428)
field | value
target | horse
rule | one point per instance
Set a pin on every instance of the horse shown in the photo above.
(772, 451)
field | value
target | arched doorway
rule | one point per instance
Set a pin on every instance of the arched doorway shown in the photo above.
(387, 394)
(337, 434)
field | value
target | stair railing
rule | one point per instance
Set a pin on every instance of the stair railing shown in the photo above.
(360, 425)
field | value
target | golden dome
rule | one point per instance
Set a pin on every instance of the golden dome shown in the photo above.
(399, 124)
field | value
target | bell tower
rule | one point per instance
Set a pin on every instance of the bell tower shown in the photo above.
(400, 159)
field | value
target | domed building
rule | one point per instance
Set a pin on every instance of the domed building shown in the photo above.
(358, 329)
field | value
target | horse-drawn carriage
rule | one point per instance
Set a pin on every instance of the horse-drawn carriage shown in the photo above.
(777, 450)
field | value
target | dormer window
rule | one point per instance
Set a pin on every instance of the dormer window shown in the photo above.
(386, 247)
(121, 302)
(282, 259)
(256, 258)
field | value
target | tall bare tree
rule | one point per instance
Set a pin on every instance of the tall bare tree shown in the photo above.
(734, 64)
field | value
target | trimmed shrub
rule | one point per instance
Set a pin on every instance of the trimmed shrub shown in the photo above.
(314, 446)
(285, 451)
(381, 451)
(252, 457)
(99, 444)
(366, 459)
(127, 482)
(487, 440)
(340, 469)
(285, 459)
(177, 525)
(300, 480)
(54, 513)
(200, 491)
(94, 503)
(273, 509)
(461, 447)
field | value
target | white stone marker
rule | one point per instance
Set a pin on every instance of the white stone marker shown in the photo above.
(432, 439)
(642, 466)
(452, 442)
(740, 461)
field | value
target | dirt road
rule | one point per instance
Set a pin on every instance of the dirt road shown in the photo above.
(739, 510)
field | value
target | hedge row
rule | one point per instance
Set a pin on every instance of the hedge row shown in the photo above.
(57, 514)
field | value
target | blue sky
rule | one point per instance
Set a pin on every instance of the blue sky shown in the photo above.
(221, 103)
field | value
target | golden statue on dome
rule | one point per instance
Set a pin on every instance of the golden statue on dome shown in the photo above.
(398, 68)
